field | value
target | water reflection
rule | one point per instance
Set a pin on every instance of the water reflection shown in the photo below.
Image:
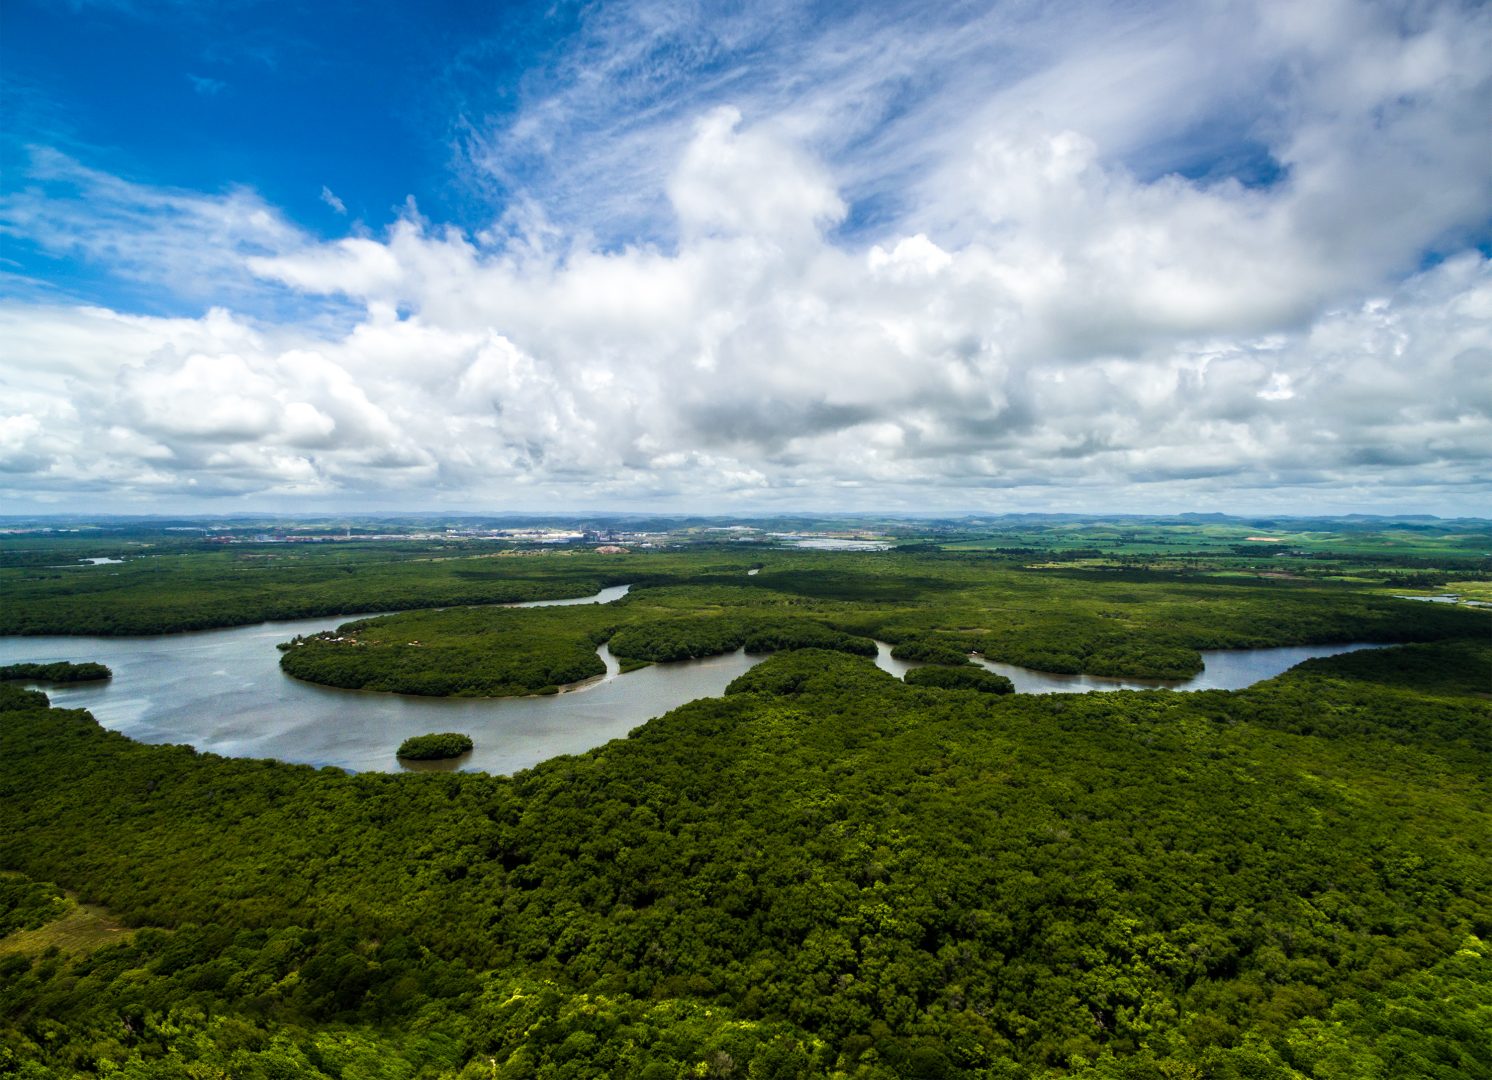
(223, 691)
(1225, 669)
(832, 543)
(605, 596)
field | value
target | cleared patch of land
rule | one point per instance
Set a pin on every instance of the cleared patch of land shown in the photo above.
(82, 929)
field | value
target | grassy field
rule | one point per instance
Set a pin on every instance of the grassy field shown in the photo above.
(84, 928)
(40, 919)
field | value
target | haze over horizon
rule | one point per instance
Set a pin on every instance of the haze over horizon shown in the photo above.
(715, 259)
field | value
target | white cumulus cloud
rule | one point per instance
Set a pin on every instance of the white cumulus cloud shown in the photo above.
(1042, 317)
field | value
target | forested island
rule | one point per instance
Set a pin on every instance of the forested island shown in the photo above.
(825, 872)
(61, 672)
(437, 746)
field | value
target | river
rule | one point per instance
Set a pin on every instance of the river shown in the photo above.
(223, 691)
(1224, 669)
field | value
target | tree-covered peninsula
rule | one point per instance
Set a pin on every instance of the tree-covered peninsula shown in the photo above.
(62, 671)
(826, 872)
(933, 607)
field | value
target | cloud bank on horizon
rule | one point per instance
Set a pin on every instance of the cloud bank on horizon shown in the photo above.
(1220, 256)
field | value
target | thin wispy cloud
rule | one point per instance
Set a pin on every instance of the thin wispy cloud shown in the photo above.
(206, 86)
(998, 257)
(192, 243)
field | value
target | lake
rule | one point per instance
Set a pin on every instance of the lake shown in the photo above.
(829, 543)
(223, 691)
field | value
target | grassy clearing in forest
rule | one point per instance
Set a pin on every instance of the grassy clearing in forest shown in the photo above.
(82, 929)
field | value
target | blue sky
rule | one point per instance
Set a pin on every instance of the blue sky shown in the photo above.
(996, 256)
(362, 100)
(280, 98)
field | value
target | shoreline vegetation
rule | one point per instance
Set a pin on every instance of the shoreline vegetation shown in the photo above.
(437, 746)
(824, 872)
(167, 582)
(932, 608)
(60, 672)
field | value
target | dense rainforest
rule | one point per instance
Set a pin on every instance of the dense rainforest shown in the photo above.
(171, 593)
(62, 672)
(435, 746)
(934, 609)
(825, 872)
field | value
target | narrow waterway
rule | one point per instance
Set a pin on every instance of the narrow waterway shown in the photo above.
(222, 691)
(1225, 669)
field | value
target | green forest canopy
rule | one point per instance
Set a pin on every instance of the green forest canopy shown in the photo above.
(435, 746)
(824, 872)
(933, 608)
(61, 672)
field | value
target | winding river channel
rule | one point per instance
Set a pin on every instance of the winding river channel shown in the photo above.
(223, 691)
